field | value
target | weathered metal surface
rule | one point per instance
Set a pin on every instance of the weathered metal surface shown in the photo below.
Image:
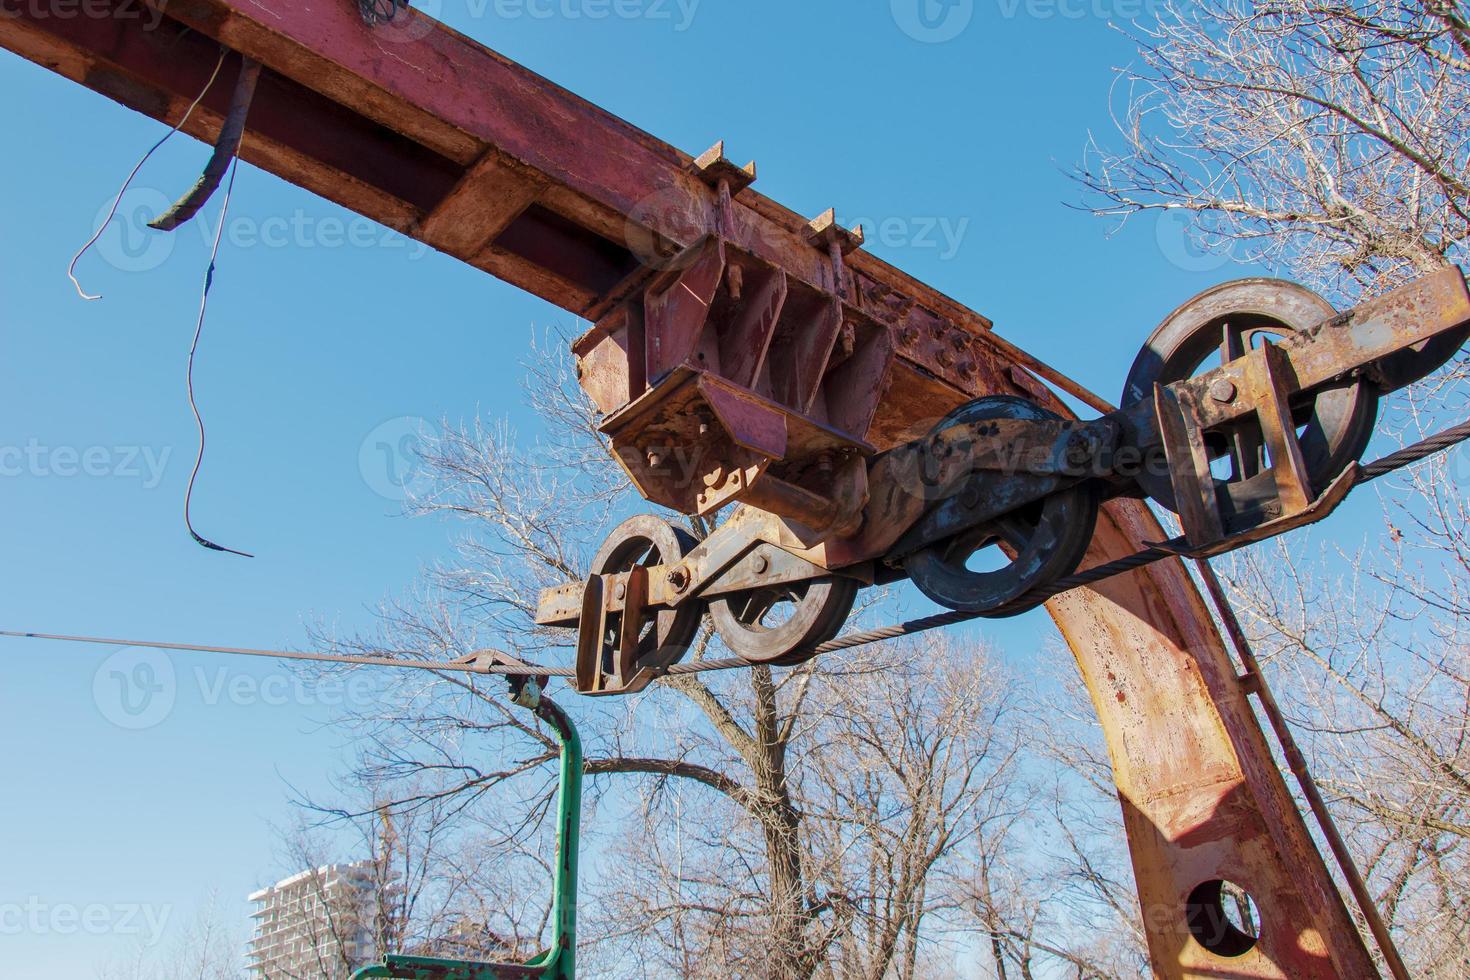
(1318, 378)
(781, 624)
(1202, 800)
(1040, 547)
(416, 126)
(765, 383)
(625, 637)
(726, 562)
(1409, 315)
(1231, 321)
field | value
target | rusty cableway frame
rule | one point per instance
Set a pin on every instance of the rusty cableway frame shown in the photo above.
(430, 133)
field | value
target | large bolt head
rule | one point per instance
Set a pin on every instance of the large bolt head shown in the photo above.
(1079, 450)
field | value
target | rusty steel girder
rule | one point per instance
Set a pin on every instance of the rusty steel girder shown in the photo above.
(430, 133)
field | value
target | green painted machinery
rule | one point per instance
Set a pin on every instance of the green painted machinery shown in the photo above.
(560, 961)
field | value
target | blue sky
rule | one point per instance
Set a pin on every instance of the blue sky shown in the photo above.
(326, 331)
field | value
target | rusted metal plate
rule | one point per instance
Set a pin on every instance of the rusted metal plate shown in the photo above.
(1406, 316)
(1202, 799)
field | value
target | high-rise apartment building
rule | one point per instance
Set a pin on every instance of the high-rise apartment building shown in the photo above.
(316, 925)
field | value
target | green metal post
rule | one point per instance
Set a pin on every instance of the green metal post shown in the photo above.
(560, 961)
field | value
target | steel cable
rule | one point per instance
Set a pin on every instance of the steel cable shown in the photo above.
(492, 663)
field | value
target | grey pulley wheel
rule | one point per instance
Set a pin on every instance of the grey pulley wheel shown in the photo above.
(779, 625)
(1034, 545)
(1334, 422)
(649, 541)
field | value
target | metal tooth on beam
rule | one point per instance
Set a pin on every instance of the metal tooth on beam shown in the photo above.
(824, 231)
(714, 167)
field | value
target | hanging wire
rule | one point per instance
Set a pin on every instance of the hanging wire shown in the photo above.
(219, 234)
(71, 270)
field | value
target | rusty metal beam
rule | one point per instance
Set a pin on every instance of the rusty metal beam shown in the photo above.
(432, 134)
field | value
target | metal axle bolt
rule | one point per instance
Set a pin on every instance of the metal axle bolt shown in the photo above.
(762, 564)
(1223, 391)
(679, 578)
(1079, 450)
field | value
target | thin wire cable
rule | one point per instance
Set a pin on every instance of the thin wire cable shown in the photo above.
(477, 665)
(71, 270)
(1296, 761)
(1396, 461)
(219, 234)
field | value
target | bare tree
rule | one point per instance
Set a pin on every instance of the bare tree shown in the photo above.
(1054, 894)
(1329, 138)
(766, 823)
(207, 948)
(427, 886)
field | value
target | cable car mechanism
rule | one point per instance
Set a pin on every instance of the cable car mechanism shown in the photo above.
(1245, 414)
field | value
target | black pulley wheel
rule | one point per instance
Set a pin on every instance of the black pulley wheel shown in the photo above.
(649, 541)
(1334, 422)
(1038, 544)
(779, 625)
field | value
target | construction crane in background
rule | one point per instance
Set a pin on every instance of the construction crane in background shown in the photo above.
(747, 357)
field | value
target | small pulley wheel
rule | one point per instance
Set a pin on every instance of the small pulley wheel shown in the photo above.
(1034, 545)
(780, 624)
(649, 541)
(1334, 422)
